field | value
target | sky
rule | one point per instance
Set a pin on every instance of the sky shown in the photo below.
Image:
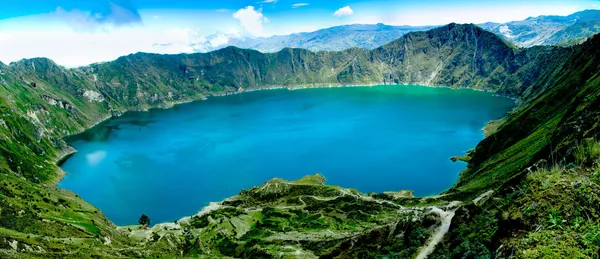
(80, 32)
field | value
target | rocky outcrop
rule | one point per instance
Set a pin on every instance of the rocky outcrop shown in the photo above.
(93, 96)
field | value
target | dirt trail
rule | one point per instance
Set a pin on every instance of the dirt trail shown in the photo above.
(482, 196)
(438, 235)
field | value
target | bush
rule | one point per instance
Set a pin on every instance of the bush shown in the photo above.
(155, 236)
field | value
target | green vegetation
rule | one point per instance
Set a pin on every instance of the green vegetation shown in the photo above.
(307, 218)
(552, 212)
(587, 153)
(530, 189)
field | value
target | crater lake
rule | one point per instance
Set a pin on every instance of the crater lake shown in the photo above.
(169, 163)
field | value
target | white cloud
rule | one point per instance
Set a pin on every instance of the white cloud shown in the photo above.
(115, 15)
(5, 36)
(192, 40)
(252, 20)
(79, 20)
(269, 1)
(299, 5)
(218, 40)
(212, 42)
(71, 48)
(344, 11)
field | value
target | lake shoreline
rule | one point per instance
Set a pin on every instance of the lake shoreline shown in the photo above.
(327, 93)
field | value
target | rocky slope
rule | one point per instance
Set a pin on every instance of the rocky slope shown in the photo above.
(42, 102)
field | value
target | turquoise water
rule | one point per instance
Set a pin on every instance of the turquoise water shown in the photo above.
(170, 163)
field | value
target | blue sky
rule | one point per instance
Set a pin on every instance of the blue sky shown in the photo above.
(79, 32)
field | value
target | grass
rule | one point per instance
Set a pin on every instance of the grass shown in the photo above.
(553, 212)
(41, 211)
(508, 163)
(316, 179)
(492, 127)
(324, 220)
(589, 152)
(563, 203)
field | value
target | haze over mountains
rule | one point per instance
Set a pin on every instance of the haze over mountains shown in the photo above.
(533, 31)
(368, 36)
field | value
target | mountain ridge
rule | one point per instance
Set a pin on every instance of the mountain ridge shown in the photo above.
(532, 31)
(334, 38)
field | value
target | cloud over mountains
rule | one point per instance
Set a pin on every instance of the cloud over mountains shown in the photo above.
(113, 12)
(344, 11)
(251, 20)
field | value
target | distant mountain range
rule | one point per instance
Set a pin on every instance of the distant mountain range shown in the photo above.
(541, 30)
(367, 36)
(549, 30)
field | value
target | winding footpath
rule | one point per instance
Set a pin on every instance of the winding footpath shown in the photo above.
(440, 232)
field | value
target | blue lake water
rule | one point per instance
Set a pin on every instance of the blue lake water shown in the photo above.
(170, 163)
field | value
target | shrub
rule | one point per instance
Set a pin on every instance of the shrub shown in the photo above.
(155, 236)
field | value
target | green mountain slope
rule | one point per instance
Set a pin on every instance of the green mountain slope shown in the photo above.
(544, 161)
(41, 102)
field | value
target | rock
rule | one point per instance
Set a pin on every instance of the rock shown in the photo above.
(14, 244)
(93, 96)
